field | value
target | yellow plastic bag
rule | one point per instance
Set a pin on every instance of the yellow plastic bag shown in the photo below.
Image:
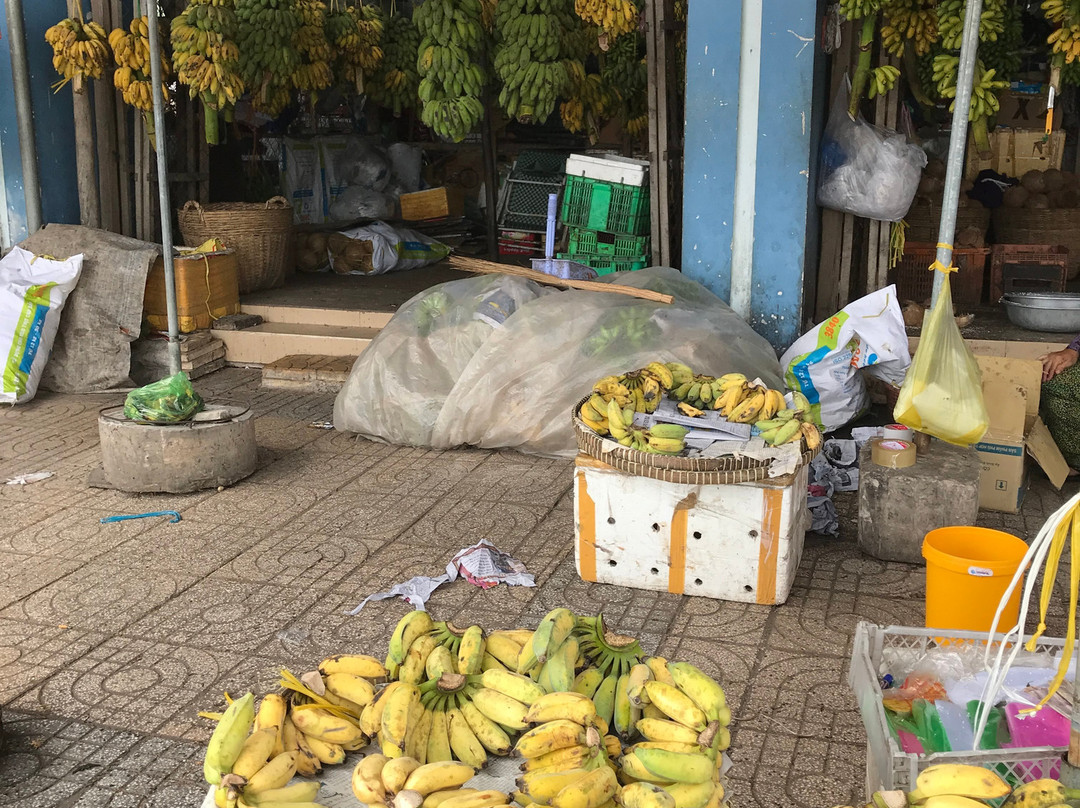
(942, 392)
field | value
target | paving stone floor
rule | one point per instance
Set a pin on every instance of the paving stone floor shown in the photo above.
(113, 636)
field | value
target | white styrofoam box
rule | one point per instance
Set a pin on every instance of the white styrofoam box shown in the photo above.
(730, 542)
(610, 168)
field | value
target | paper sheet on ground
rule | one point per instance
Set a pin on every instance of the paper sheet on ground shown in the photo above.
(481, 565)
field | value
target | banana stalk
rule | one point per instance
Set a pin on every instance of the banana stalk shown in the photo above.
(862, 69)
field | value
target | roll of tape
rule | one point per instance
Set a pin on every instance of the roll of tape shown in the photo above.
(892, 454)
(897, 432)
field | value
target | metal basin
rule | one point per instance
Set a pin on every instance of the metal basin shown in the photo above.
(1044, 311)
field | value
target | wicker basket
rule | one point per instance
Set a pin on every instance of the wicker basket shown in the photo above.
(261, 234)
(685, 470)
(923, 221)
(1052, 227)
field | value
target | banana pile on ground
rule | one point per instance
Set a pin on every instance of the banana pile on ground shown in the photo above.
(448, 63)
(268, 54)
(207, 59)
(564, 698)
(80, 51)
(131, 52)
(958, 785)
(357, 37)
(396, 82)
(531, 37)
(313, 73)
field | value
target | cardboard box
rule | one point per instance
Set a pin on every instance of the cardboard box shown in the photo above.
(435, 203)
(1014, 152)
(206, 290)
(1024, 105)
(1011, 388)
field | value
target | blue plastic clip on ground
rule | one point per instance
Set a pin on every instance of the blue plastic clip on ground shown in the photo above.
(173, 516)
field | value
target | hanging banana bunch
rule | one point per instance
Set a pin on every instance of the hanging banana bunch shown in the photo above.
(131, 52)
(529, 56)
(908, 20)
(268, 54)
(613, 17)
(1064, 41)
(590, 102)
(313, 72)
(624, 69)
(984, 100)
(207, 59)
(80, 51)
(395, 83)
(950, 15)
(451, 81)
(356, 34)
(882, 79)
(1003, 53)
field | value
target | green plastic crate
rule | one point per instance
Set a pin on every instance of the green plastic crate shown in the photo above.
(591, 242)
(608, 207)
(605, 264)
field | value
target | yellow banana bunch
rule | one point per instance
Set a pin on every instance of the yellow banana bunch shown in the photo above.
(908, 20)
(973, 782)
(882, 80)
(80, 51)
(312, 73)
(612, 17)
(131, 52)
(1066, 41)
(396, 83)
(207, 59)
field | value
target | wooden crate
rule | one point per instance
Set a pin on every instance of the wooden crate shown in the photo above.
(435, 203)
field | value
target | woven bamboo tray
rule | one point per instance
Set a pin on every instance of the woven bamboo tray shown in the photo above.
(683, 470)
(923, 220)
(1054, 227)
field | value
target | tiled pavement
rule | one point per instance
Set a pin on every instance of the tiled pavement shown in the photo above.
(113, 636)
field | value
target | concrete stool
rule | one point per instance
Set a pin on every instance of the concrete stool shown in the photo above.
(898, 507)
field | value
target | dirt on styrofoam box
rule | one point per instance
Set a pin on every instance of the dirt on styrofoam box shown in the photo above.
(731, 542)
(1011, 389)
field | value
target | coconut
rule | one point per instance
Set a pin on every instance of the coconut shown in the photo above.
(1068, 179)
(1067, 198)
(318, 242)
(1053, 179)
(1038, 202)
(1015, 196)
(1034, 182)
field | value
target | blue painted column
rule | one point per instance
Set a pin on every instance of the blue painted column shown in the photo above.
(785, 217)
(54, 123)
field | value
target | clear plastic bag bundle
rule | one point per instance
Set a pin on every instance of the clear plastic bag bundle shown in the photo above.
(499, 362)
(942, 392)
(168, 401)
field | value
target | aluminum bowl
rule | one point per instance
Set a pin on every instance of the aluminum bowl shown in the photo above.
(1058, 312)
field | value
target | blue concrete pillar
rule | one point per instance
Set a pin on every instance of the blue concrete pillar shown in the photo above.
(54, 124)
(785, 217)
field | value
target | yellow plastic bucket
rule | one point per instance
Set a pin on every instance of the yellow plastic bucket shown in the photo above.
(968, 570)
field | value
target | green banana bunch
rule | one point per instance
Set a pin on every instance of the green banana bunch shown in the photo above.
(529, 53)
(313, 73)
(950, 15)
(451, 80)
(268, 54)
(207, 59)
(908, 20)
(357, 35)
(857, 9)
(396, 83)
(624, 69)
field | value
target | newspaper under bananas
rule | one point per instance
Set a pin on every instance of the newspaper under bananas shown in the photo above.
(613, 17)
(313, 72)
(268, 54)
(80, 51)
(529, 56)
(207, 59)
(395, 83)
(357, 36)
(451, 80)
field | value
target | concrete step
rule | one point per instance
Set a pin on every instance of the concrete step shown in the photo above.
(302, 315)
(308, 373)
(271, 341)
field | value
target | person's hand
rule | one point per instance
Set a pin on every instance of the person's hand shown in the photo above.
(1057, 362)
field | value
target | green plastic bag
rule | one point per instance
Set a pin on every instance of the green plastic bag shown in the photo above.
(168, 401)
(942, 392)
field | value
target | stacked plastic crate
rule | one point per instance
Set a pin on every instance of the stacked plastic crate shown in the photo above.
(523, 202)
(606, 211)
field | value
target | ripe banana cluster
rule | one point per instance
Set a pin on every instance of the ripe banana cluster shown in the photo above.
(984, 100)
(451, 80)
(531, 45)
(80, 51)
(396, 83)
(590, 101)
(405, 782)
(207, 58)
(882, 79)
(131, 52)
(951, 21)
(356, 35)
(909, 20)
(612, 17)
(268, 54)
(665, 439)
(313, 72)
(857, 9)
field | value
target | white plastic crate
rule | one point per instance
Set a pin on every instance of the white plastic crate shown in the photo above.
(888, 767)
(730, 542)
(610, 168)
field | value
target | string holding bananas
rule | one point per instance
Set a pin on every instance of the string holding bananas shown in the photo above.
(612, 17)
(312, 73)
(207, 58)
(80, 51)
(131, 52)
(268, 54)
(529, 54)
(908, 20)
(357, 36)
(451, 80)
(395, 84)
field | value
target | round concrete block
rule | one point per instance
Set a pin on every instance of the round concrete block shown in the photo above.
(218, 450)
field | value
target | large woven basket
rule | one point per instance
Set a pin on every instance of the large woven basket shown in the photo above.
(685, 470)
(1053, 227)
(261, 234)
(923, 221)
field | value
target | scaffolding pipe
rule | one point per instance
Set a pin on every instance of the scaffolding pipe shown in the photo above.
(969, 47)
(163, 188)
(24, 114)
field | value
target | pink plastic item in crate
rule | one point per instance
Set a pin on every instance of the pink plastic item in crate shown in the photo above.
(1047, 727)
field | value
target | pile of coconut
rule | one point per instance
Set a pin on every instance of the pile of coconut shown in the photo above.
(1044, 190)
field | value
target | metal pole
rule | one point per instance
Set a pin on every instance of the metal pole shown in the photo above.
(24, 113)
(163, 186)
(969, 47)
